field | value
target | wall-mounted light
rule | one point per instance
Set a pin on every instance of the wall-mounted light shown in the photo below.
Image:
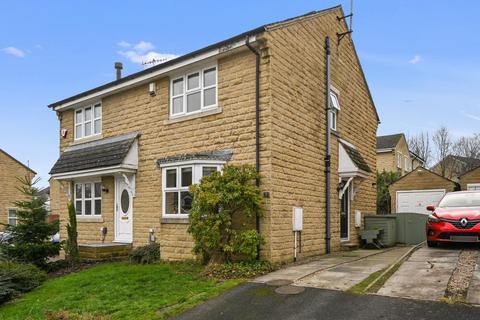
(152, 89)
(103, 233)
(151, 236)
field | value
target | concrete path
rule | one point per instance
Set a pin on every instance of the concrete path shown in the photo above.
(338, 271)
(473, 295)
(252, 301)
(424, 275)
(345, 276)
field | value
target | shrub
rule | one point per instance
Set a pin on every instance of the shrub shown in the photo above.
(244, 269)
(57, 265)
(384, 179)
(220, 202)
(146, 254)
(16, 279)
(72, 254)
(31, 237)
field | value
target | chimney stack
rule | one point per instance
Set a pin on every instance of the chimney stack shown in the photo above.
(119, 67)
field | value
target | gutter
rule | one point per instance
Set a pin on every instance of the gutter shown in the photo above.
(257, 126)
(327, 146)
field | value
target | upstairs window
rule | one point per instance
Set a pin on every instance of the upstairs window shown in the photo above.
(399, 160)
(334, 109)
(12, 217)
(88, 121)
(193, 92)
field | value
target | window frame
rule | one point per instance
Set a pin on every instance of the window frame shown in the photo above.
(93, 198)
(473, 186)
(197, 174)
(186, 91)
(406, 164)
(399, 160)
(15, 218)
(333, 110)
(83, 122)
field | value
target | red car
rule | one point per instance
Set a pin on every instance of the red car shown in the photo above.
(455, 219)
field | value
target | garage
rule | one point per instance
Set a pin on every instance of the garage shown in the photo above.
(417, 189)
(417, 201)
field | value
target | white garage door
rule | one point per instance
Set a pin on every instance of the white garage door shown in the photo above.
(418, 200)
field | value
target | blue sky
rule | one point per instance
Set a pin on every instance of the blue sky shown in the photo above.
(420, 57)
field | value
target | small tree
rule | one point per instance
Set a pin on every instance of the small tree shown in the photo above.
(384, 179)
(31, 237)
(71, 245)
(222, 205)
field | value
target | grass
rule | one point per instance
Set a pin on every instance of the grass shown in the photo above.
(119, 291)
(359, 288)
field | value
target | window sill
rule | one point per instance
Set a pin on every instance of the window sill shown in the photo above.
(89, 219)
(88, 139)
(174, 220)
(205, 113)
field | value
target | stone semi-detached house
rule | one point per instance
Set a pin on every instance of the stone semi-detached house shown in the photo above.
(393, 155)
(11, 170)
(129, 149)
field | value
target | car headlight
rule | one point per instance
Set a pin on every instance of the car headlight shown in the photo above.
(432, 219)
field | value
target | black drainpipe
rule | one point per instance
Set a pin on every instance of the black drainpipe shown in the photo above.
(257, 125)
(327, 147)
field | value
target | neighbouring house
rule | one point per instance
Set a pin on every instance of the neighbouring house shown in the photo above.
(470, 180)
(453, 166)
(10, 171)
(393, 155)
(129, 149)
(417, 189)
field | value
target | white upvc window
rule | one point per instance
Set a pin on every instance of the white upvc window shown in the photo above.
(194, 92)
(473, 186)
(88, 198)
(176, 180)
(407, 164)
(334, 109)
(12, 217)
(399, 160)
(88, 121)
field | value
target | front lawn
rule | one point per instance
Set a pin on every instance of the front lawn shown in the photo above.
(118, 291)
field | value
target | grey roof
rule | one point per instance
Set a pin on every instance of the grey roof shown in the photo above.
(387, 142)
(93, 155)
(470, 162)
(221, 155)
(356, 157)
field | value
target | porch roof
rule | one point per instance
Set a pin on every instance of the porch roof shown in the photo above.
(351, 162)
(105, 153)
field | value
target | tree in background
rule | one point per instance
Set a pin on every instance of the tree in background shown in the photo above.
(31, 237)
(420, 145)
(444, 148)
(71, 245)
(384, 179)
(223, 208)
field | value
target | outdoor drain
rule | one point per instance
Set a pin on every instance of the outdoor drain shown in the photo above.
(285, 287)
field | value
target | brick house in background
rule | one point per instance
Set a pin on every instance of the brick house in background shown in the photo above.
(393, 155)
(129, 149)
(10, 170)
(452, 166)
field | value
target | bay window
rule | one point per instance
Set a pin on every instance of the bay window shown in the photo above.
(193, 92)
(88, 198)
(176, 180)
(88, 121)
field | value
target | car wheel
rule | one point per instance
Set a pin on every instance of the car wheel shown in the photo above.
(431, 244)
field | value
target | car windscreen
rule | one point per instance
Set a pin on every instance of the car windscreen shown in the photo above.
(460, 200)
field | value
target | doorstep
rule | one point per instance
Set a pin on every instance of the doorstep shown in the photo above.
(104, 251)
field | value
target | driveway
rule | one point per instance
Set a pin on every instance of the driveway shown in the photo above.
(259, 301)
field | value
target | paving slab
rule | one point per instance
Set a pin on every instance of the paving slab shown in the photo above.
(423, 276)
(297, 271)
(473, 294)
(345, 276)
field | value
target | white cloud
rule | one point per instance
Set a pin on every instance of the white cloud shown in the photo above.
(143, 46)
(416, 59)
(142, 53)
(124, 44)
(471, 116)
(14, 52)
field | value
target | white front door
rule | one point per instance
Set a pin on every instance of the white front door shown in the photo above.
(417, 200)
(123, 211)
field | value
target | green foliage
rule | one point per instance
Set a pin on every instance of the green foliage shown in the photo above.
(223, 205)
(384, 179)
(57, 265)
(71, 245)
(238, 270)
(146, 254)
(31, 237)
(16, 279)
